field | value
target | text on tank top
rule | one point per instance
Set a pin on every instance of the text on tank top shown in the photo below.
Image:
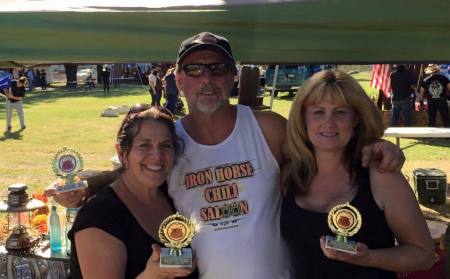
(232, 191)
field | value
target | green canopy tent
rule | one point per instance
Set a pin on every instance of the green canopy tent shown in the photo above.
(261, 31)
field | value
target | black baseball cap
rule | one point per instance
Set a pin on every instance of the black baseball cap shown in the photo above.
(202, 41)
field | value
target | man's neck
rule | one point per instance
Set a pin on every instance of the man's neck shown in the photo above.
(211, 128)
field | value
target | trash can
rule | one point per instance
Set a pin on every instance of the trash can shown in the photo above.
(430, 186)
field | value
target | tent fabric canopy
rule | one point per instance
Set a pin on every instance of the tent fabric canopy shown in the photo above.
(260, 31)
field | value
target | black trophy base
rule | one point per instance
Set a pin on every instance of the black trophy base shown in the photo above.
(184, 260)
(338, 245)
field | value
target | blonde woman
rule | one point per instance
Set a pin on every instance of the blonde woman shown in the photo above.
(331, 120)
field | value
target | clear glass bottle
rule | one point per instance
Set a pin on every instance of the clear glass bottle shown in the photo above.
(54, 226)
(71, 214)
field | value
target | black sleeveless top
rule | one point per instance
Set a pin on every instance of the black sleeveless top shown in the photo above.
(302, 230)
(107, 212)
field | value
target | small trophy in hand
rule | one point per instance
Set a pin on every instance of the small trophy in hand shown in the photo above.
(66, 164)
(176, 232)
(344, 220)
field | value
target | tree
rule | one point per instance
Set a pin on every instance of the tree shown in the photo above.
(99, 73)
(71, 74)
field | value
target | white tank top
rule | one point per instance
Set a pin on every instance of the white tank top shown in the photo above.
(232, 191)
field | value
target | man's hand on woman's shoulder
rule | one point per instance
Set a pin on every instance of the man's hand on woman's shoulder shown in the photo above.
(390, 157)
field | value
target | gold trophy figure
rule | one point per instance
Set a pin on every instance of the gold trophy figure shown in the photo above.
(66, 164)
(176, 232)
(344, 220)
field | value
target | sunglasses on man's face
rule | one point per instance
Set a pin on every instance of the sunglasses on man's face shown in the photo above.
(198, 69)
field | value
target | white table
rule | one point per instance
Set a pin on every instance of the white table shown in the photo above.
(416, 132)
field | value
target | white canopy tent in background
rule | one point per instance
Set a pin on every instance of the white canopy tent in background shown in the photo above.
(261, 31)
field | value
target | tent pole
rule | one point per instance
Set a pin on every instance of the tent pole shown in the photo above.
(418, 79)
(139, 73)
(274, 84)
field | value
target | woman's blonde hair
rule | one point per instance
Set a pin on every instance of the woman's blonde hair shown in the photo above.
(340, 88)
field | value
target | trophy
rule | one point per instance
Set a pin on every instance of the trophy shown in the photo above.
(344, 220)
(176, 232)
(66, 164)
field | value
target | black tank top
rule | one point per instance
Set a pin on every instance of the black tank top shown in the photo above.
(107, 212)
(302, 230)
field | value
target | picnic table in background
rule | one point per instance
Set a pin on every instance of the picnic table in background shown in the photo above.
(416, 132)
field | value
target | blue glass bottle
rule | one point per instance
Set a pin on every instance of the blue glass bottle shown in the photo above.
(55, 230)
(71, 214)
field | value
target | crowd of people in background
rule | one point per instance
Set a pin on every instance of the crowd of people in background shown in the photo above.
(161, 81)
(35, 77)
(427, 89)
(417, 90)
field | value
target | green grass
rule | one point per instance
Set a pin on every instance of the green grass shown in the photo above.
(62, 118)
(72, 118)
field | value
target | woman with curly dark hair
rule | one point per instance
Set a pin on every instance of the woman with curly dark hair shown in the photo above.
(115, 234)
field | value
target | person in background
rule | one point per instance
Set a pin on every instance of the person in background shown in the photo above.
(15, 73)
(436, 87)
(155, 87)
(170, 89)
(89, 82)
(228, 178)
(115, 235)
(43, 79)
(14, 99)
(402, 85)
(30, 76)
(37, 81)
(332, 118)
(106, 74)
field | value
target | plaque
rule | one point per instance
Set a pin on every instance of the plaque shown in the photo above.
(176, 232)
(344, 220)
(66, 164)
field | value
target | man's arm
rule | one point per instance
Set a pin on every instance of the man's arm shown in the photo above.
(390, 156)
(421, 94)
(164, 84)
(152, 81)
(11, 96)
(15, 98)
(273, 127)
(76, 198)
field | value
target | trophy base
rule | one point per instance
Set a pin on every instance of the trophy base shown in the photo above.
(71, 186)
(184, 260)
(346, 247)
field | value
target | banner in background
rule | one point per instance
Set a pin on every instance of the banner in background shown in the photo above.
(5, 80)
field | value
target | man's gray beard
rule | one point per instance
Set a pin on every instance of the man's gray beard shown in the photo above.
(216, 106)
(208, 108)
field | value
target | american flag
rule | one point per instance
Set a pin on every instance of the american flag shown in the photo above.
(381, 79)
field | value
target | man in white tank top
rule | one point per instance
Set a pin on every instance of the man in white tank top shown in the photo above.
(228, 178)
